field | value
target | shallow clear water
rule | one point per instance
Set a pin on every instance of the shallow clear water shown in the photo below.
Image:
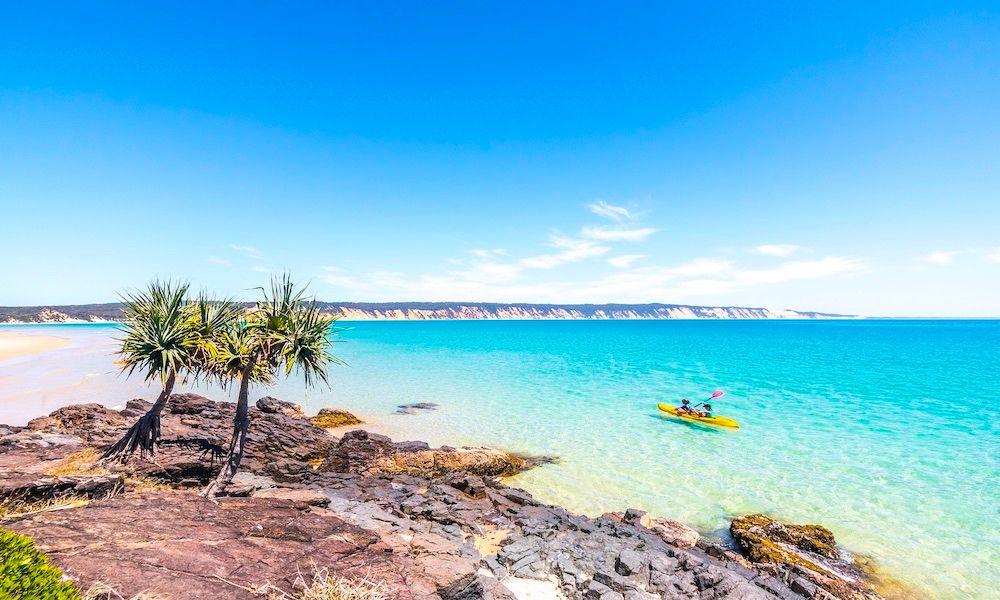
(888, 432)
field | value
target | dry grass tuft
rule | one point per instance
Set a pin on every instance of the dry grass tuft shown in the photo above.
(322, 586)
(13, 508)
(327, 587)
(84, 462)
(103, 591)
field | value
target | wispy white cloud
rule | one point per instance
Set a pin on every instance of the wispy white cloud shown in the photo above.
(780, 250)
(942, 257)
(248, 251)
(215, 260)
(488, 254)
(605, 234)
(704, 277)
(260, 269)
(610, 211)
(625, 260)
(570, 250)
(994, 255)
(498, 275)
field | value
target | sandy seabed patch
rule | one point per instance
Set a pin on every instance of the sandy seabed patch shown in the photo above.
(14, 344)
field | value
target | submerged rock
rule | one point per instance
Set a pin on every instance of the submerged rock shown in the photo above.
(412, 409)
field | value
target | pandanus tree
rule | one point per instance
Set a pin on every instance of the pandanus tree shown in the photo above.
(166, 337)
(158, 342)
(284, 333)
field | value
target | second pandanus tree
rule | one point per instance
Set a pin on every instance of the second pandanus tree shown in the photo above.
(167, 337)
(283, 334)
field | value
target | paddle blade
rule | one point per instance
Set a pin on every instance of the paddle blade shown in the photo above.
(718, 394)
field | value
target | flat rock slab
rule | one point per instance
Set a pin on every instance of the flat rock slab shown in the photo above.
(179, 545)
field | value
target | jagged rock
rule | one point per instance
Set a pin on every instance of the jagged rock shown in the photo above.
(92, 422)
(809, 551)
(673, 532)
(271, 405)
(810, 538)
(368, 453)
(628, 562)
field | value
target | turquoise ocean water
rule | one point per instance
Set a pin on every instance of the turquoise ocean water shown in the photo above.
(888, 432)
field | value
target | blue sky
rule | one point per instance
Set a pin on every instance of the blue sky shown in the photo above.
(838, 157)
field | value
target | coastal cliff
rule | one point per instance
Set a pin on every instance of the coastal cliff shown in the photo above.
(422, 311)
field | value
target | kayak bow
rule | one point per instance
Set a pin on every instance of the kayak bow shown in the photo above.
(717, 421)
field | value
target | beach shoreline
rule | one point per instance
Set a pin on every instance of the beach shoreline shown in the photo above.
(15, 344)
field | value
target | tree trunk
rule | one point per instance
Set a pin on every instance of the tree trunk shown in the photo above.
(241, 425)
(144, 434)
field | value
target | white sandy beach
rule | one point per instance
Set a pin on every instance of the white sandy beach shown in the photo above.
(15, 344)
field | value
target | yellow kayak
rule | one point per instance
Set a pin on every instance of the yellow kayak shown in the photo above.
(717, 421)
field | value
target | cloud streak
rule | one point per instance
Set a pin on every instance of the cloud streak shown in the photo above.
(779, 250)
(942, 257)
(617, 235)
(610, 211)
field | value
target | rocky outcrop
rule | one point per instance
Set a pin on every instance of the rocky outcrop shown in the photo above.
(806, 555)
(673, 532)
(367, 453)
(195, 431)
(433, 523)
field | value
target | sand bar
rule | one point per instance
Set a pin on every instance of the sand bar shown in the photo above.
(14, 344)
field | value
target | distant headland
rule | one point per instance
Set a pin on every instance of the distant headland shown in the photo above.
(422, 311)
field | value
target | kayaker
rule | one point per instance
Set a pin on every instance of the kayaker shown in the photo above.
(707, 412)
(685, 406)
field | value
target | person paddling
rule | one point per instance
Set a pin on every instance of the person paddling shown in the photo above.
(685, 406)
(707, 412)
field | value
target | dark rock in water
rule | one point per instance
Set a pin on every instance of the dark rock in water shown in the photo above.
(271, 405)
(412, 409)
(806, 555)
(753, 530)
